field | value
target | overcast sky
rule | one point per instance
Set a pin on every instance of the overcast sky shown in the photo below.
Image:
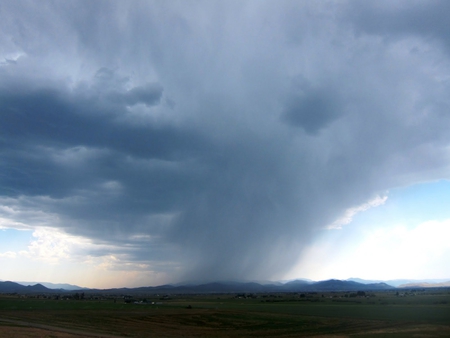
(151, 142)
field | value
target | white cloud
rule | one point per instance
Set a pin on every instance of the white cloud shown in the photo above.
(8, 254)
(351, 212)
(389, 252)
(53, 245)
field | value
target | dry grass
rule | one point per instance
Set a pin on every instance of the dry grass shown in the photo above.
(380, 316)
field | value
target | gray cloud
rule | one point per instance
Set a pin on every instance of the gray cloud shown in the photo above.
(206, 139)
(311, 108)
(402, 19)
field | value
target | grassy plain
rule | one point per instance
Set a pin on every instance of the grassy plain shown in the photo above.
(380, 314)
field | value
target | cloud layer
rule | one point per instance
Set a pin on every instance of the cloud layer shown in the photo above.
(212, 140)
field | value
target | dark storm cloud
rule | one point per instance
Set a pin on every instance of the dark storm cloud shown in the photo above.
(311, 108)
(33, 122)
(148, 94)
(397, 19)
(216, 138)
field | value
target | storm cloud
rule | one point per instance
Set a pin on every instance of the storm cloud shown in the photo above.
(212, 140)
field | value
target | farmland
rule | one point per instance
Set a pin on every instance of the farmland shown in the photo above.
(420, 313)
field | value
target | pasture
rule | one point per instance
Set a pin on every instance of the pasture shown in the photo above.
(418, 313)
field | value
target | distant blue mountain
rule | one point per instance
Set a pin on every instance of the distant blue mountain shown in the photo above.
(345, 285)
(55, 285)
(252, 287)
(12, 287)
(351, 285)
(398, 282)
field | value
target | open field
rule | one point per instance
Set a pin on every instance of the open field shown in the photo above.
(381, 314)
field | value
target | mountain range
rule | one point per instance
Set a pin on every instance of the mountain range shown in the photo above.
(214, 287)
(64, 286)
(220, 287)
(404, 282)
(12, 287)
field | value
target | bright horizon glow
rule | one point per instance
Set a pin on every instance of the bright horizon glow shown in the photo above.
(406, 237)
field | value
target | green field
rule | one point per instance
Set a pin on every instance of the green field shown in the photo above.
(381, 314)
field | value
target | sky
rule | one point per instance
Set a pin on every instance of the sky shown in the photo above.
(153, 142)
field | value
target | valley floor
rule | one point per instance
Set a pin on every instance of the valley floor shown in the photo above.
(380, 314)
